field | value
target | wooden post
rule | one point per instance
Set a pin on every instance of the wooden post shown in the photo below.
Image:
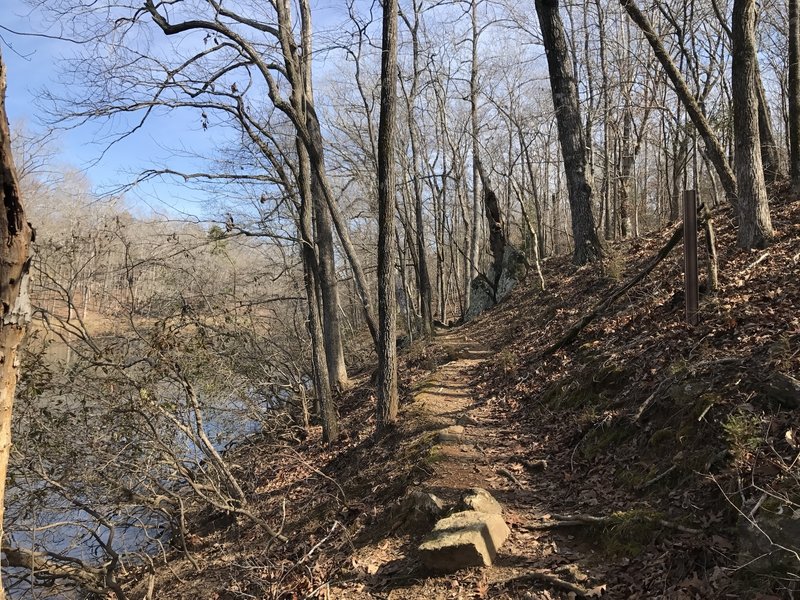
(690, 254)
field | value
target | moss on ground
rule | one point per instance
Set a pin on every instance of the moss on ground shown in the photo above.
(628, 532)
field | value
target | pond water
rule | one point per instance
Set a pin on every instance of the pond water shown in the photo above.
(38, 517)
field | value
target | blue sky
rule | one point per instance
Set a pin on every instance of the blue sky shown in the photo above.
(33, 65)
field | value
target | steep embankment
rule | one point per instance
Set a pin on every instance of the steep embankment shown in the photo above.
(665, 432)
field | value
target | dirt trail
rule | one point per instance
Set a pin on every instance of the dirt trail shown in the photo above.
(446, 399)
(486, 454)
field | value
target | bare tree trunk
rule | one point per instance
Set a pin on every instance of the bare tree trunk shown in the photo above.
(318, 166)
(769, 149)
(607, 229)
(16, 236)
(387, 313)
(473, 253)
(627, 160)
(326, 273)
(330, 424)
(570, 133)
(334, 351)
(794, 95)
(423, 275)
(755, 227)
(713, 148)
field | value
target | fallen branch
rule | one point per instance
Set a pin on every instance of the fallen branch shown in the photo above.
(559, 583)
(559, 521)
(598, 310)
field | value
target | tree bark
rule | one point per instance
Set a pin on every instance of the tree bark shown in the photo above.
(627, 161)
(794, 95)
(713, 148)
(387, 313)
(570, 133)
(608, 233)
(316, 156)
(755, 227)
(16, 236)
(326, 274)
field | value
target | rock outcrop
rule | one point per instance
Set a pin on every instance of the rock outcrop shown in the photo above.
(482, 294)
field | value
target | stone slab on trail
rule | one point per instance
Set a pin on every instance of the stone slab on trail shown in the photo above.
(464, 539)
(451, 435)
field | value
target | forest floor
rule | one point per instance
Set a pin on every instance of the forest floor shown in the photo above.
(668, 432)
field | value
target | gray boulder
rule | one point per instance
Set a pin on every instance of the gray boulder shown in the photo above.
(418, 511)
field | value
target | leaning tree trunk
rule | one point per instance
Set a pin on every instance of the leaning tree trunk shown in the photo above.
(16, 236)
(387, 325)
(316, 156)
(714, 150)
(794, 95)
(570, 133)
(755, 227)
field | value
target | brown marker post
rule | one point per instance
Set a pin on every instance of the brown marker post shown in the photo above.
(690, 254)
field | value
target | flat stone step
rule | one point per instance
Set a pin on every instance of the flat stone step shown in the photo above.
(451, 435)
(464, 539)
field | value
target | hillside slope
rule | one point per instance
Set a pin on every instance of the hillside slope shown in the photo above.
(669, 433)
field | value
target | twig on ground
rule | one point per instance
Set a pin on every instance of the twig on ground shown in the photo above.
(657, 478)
(558, 582)
(511, 476)
(755, 262)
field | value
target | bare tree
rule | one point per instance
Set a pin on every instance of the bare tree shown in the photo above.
(713, 148)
